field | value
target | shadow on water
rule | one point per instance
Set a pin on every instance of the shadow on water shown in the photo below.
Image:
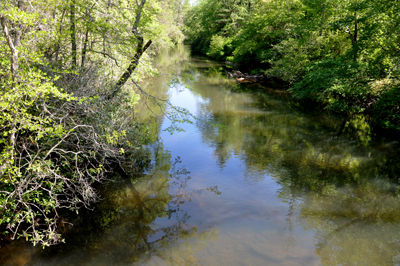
(138, 221)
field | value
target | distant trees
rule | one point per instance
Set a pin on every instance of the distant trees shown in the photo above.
(343, 54)
(65, 118)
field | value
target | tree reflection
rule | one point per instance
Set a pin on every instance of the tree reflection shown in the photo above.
(140, 220)
(338, 182)
(342, 241)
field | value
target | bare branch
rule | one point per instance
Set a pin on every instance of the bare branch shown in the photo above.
(106, 54)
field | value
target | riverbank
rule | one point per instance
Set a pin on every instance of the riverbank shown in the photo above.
(326, 56)
(368, 111)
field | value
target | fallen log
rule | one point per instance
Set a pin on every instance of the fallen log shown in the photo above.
(245, 78)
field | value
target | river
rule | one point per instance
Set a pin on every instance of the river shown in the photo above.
(253, 180)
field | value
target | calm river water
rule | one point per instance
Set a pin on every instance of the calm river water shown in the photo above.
(252, 181)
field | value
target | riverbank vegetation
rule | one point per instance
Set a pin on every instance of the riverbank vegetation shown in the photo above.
(67, 72)
(344, 55)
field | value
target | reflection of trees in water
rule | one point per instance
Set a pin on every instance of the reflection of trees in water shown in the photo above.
(354, 225)
(342, 241)
(141, 219)
(345, 190)
(295, 148)
(169, 64)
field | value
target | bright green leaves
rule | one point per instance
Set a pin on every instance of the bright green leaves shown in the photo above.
(220, 47)
(53, 145)
(19, 16)
(115, 137)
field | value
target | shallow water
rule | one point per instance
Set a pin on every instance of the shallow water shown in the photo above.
(252, 181)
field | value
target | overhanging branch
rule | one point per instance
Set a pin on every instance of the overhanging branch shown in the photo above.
(139, 52)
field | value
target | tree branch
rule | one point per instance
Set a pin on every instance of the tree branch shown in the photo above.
(128, 72)
(139, 52)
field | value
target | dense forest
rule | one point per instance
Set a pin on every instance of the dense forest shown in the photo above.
(342, 55)
(70, 73)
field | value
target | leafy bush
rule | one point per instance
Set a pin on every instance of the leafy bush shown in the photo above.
(290, 57)
(341, 86)
(386, 111)
(220, 47)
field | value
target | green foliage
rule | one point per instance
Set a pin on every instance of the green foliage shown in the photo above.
(59, 130)
(220, 47)
(290, 58)
(339, 85)
(254, 41)
(24, 125)
(210, 18)
(329, 51)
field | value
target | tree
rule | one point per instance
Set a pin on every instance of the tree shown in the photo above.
(64, 123)
(343, 55)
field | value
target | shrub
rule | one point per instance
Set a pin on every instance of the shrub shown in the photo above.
(386, 111)
(341, 86)
(220, 47)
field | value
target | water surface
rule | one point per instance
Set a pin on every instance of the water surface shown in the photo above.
(253, 181)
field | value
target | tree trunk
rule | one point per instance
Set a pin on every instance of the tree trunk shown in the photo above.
(355, 37)
(85, 44)
(14, 72)
(14, 51)
(139, 52)
(73, 33)
(17, 36)
(59, 39)
(128, 72)
(84, 50)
